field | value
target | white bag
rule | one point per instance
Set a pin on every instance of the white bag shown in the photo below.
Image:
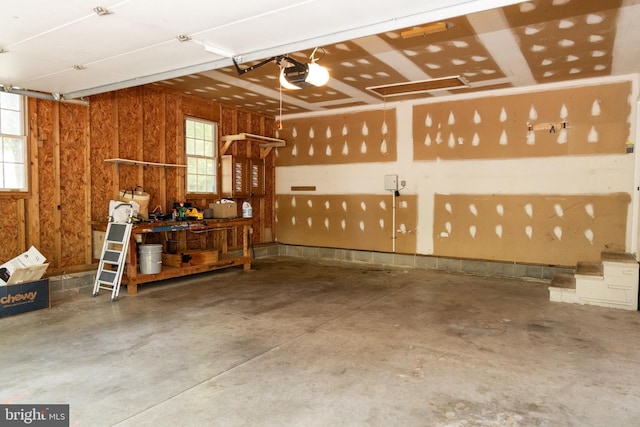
(139, 196)
(121, 211)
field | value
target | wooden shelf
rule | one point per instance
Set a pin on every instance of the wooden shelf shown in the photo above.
(118, 162)
(265, 143)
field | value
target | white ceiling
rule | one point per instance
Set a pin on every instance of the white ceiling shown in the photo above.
(492, 44)
(43, 40)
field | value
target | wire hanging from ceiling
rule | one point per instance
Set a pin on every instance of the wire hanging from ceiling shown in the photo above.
(279, 125)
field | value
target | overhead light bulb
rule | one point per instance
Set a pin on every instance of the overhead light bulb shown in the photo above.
(318, 75)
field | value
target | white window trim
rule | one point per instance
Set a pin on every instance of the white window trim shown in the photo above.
(214, 158)
(26, 152)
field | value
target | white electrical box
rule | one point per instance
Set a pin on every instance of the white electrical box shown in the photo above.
(391, 182)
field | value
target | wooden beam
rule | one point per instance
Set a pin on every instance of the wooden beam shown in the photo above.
(57, 198)
(88, 250)
(33, 203)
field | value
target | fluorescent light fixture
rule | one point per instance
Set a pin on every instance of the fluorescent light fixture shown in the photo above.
(409, 88)
(426, 29)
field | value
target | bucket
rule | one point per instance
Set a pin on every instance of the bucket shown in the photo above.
(246, 210)
(150, 259)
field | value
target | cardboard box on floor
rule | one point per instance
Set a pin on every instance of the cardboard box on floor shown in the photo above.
(24, 297)
(25, 290)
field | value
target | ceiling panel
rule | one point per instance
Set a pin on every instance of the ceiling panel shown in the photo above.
(563, 41)
(456, 51)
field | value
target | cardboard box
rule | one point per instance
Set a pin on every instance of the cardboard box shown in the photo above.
(224, 210)
(24, 297)
(27, 266)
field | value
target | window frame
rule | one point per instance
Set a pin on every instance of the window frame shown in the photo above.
(214, 158)
(24, 138)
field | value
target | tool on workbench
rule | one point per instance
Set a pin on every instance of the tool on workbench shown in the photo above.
(193, 213)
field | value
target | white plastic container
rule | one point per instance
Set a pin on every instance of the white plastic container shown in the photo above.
(247, 212)
(150, 259)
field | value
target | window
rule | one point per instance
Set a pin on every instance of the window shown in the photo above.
(201, 141)
(13, 143)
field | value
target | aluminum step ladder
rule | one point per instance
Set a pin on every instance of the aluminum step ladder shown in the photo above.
(114, 256)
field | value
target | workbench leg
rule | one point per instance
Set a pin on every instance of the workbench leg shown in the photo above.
(132, 289)
(245, 247)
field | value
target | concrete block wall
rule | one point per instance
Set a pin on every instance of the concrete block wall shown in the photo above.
(71, 285)
(450, 265)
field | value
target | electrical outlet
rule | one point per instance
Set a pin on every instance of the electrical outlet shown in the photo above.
(391, 182)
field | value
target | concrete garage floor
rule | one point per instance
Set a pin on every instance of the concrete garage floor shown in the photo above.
(300, 343)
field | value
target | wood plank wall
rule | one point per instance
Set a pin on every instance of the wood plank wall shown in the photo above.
(72, 184)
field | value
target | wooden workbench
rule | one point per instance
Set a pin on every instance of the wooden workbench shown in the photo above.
(132, 277)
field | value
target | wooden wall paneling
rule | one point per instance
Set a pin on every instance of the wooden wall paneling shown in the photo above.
(197, 107)
(21, 224)
(257, 127)
(228, 120)
(32, 227)
(86, 139)
(103, 120)
(174, 130)
(139, 137)
(9, 224)
(115, 144)
(154, 181)
(47, 208)
(129, 136)
(229, 124)
(72, 183)
(181, 181)
(244, 125)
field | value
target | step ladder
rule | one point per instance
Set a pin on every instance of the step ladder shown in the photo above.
(114, 255)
